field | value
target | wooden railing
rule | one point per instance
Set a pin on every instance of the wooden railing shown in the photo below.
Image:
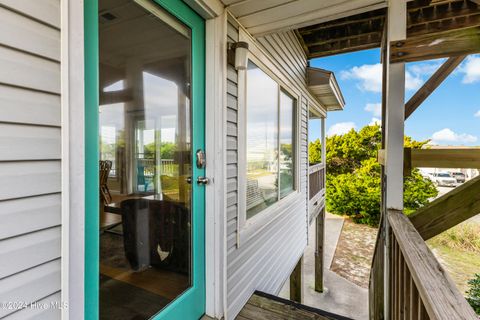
(167, 166)
(316, 189)
(419, 287)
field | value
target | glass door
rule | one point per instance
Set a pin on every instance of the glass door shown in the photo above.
(151, 124)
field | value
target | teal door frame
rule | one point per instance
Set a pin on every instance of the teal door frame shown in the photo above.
(191, 304)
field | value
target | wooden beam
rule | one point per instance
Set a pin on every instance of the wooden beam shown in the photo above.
(319, 252)
(381, 157)
(445, 212)
(431, 28)
(351, 45)
(435, 14)
(446, 158)
(465, 158)
(296, 282)
(433, 46)
(435, 80)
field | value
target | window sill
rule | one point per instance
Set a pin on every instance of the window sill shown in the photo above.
(263, 219)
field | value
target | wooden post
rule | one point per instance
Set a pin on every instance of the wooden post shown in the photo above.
(393, 129)
(296, 282)
(319, 252)
(320, 222)
(324, 142)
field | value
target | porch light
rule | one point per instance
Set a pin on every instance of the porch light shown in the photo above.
(241, 55)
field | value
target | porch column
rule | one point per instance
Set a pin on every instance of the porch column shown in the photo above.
(393, 128)
(296, 282)
(320, 223)
(319, 252)
(324, 141)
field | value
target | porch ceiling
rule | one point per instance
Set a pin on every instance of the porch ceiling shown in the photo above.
(425, 20)
(267, 16)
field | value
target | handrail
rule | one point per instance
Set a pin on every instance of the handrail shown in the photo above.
(418, 283)
(315, 167)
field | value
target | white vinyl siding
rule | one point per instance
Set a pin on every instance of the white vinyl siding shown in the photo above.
(265, 260)
(30, 153)
(232, 146)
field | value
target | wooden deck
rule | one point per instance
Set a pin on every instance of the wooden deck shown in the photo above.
(262, 306)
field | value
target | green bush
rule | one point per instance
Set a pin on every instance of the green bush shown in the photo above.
(315, 152)
(353, 176)
(473, 294)
(356, 194)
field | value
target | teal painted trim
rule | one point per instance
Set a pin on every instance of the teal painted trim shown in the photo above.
(91, 160)
(191, 304)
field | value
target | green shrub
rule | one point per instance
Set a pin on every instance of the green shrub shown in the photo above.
(473, 294)
(315, 152)
(356, 194)
(353, 176)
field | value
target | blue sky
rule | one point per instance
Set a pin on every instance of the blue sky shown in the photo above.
(450, 116)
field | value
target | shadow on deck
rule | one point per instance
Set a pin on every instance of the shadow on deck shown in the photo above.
(265, 306)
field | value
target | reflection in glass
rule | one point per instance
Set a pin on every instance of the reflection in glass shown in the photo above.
(145, 151)
(286, 144)
(262, 140)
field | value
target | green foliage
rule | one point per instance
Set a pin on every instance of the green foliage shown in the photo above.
(167, 150)
(315, 152)
(473, 294)
(416, 191)
(353, 175)
(356, 194)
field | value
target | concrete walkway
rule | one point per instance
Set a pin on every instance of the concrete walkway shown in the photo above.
(340, 296)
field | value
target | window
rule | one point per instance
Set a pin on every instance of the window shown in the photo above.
(269, 141)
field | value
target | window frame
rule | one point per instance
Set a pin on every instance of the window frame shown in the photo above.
(248, 228)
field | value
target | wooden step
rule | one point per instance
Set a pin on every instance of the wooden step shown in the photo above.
(263, 306)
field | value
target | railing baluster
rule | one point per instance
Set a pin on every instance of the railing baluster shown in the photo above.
(406, 292)
(400, 286)
(422, 312)
(391, 289)
(397, 282)
(413, 301)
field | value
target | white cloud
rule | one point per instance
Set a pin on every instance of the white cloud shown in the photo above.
(425, 68)
(341, 128)
(375, 121)
(412, 81)
(369, 76)
(477, 114)
(375, 108)
(447, 135)
(471, 69)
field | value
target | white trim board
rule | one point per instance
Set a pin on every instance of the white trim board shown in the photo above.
(73, 158)
(215, 146)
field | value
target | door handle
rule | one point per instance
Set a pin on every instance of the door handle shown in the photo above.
(203, 180)
(189, 180)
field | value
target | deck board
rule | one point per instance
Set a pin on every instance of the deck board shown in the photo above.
(262, 306)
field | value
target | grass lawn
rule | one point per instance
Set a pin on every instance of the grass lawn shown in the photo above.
(461, 261)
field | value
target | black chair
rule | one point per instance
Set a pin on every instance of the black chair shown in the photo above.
(156, 233)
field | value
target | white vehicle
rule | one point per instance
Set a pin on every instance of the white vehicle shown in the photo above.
(444, 179)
